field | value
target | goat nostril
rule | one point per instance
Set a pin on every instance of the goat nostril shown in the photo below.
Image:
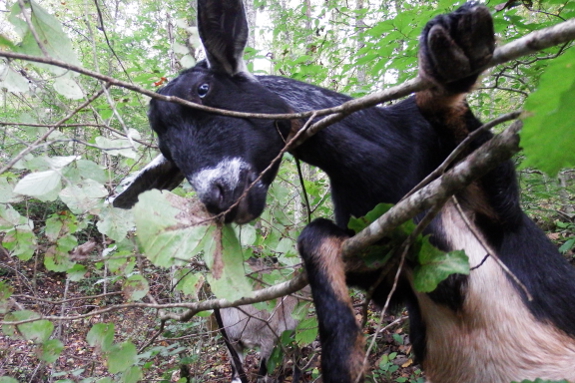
(219, 194)
(215, 199)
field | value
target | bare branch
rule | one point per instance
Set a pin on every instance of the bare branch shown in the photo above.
(488, 156)
(535, 41)
(272, 292)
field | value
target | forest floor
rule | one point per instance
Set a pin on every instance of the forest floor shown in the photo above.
(197, 343)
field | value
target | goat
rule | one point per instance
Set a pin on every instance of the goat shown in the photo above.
(473, 328)
(247, 327)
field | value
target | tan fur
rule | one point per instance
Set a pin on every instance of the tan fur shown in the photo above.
(334, 269)
(494, 339)
(448, 108)
(330, 252)
(475, 200)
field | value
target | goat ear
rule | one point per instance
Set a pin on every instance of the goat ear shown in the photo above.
(158, 174)
(224, 32)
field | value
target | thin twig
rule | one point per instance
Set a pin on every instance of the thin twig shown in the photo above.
(410, 240)
(50, 131)
(461, 148)
(489, 250)
(533, 42)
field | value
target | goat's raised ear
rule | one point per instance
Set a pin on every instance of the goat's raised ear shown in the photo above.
(224, 32)
(158, 174)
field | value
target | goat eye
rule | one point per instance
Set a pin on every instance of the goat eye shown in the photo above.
(203, 90)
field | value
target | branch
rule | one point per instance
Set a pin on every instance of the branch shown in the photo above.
(500, 148)
(272, 292)
(533, 42)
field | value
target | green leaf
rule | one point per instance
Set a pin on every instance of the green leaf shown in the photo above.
(121, 357)
(19, 238)
(549, 131)
(57, 257)
(227, 276)
(7, 191)
(119, 146)
(20, 241)
(169, 226)
(53, 228)
(101, 336)
(12, 81)
(190, 282)
(435, 266)
(6, 43)
(132, 375)
(51, 350)
(6, 292)
(37, 331)
(83, 197)
(135, 287)
(42, 185)
(115, 223)
(67, 87)
(50, 33)
(358, 224)
(91, 170)
(77, 272)
(306, 331)
(7, 379)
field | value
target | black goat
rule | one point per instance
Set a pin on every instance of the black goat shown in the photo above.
(473, 329)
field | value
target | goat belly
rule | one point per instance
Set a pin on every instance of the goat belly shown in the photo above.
(493, 336)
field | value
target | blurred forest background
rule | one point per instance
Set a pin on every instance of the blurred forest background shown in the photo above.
(67, 140)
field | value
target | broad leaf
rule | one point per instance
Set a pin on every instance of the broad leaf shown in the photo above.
(83, 197)
(101, 336)
(12, 81)
(169, 226)
(358, 224)
(115, 223)
(132, 375)
(227, 276)
(67, 87)
(6, 292)
(549, 132)
(42, 185)
(435, 266)
(51, 350)
(121, 357)
(50, 33)
(37, 331)
(306, 331)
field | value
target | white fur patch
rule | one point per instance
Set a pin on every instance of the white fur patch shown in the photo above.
(494, 338)
(226, 173)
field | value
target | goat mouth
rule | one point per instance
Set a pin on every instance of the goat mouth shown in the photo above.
(240, 212)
